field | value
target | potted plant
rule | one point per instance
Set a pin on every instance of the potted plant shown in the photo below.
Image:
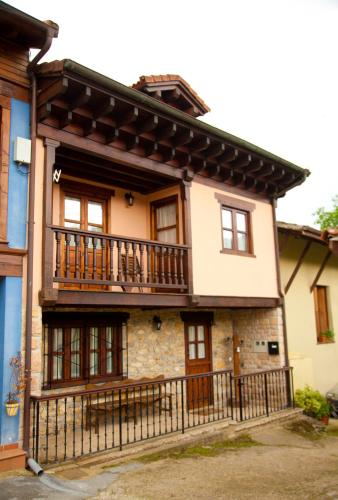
(313, 404)
(17, 384)
(327, 336)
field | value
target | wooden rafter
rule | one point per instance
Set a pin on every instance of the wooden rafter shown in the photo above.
(321, 269)
(298, 264)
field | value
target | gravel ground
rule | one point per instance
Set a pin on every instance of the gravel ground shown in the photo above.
(284, 465)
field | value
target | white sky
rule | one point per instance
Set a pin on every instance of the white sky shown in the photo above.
(267, 69)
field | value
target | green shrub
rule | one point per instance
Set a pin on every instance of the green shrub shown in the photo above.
(312, 402)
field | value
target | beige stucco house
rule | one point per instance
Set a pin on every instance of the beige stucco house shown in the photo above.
(309, 271)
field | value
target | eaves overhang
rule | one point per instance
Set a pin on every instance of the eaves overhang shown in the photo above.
(21, 28)
(123, 117)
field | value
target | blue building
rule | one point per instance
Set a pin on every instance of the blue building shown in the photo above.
(19, 33)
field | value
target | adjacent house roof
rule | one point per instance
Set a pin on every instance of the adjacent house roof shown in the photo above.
(173, 90)
(301, 231)
(27, 31)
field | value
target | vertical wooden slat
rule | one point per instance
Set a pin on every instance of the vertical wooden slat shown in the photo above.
(175, 266)
(141, 247)
(68, 238)
(119, 260)
(134, 246)
(77, 256)
(169, 277)
(103, 267)
(58, 254)
(126, 247)
(162, 251)
(111, 260)
(155, 264)
(94, 242)
(148, 250)
(86, 241)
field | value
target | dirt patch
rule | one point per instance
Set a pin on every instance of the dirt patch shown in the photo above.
(307, 428)
(276, 463)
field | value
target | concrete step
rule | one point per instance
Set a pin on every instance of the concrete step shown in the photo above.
(12, 458)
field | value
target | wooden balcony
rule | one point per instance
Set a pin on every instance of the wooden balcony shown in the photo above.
(99, 262)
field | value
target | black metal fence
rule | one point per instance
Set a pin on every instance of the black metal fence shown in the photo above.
(74, 424)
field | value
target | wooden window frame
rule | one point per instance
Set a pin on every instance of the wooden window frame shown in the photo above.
(236, 206)
(85, 195)
(84, 326)
(161, 203)
(321, 339)
(5, 114)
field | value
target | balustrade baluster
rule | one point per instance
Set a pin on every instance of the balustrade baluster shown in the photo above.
(86, 242)
(175, 266)
(68, 238)
(141, 247)
(134, 247)
(77, 256)
(181, 253)
(58, 254)
(119, 260)
(103, 269)
(126, 246)
(111, 260)
(169, 277)
(162, 253)
(155, 264)
(94, 240)
(148, 250)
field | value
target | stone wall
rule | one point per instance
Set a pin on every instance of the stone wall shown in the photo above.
(153, 352)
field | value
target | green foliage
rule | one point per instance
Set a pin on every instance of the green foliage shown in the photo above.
(328, 219)
(312, 402)
(328, 334)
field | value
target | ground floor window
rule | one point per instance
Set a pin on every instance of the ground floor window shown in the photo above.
(79, 349)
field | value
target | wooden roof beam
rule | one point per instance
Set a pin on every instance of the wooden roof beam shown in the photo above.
(148, 125)
(58, 88)
(255, 166)
(44, 111)
(81, 99)
(240, 162)
(89, 128)
(200, 144)
(105, 108)
(127, 118)
(166, 132)
(112, 135)
(132, 142)
(151, 149)
(66, 120)
(201, 166)
(183, 138)
(298, 264)
(229, 155)
(169, 154)
(215, 150)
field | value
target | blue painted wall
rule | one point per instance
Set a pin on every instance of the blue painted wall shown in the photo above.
(10, 344)
(11, 287)
(18, 177)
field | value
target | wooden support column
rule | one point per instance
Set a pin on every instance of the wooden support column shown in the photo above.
(299, 263)
(321, 269)
(185, 196)
(48, 293)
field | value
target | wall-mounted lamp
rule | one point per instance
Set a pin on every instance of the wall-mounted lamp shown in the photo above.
(157, 322)
(130, 199)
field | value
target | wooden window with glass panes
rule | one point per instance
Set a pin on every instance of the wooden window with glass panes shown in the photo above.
(236, 236)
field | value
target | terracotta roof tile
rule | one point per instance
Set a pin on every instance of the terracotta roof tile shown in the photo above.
(144, 79)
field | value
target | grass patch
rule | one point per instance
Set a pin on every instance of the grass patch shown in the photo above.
(332, 430)
(206, 450)
(307, 429)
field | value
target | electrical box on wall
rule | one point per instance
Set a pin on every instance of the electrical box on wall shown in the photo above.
(22, 150)
(273, 348)
(260, 346)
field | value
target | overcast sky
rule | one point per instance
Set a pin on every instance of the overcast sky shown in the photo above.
(267, 69)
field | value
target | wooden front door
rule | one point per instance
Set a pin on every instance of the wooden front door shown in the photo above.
(87, 213)
(198, 361)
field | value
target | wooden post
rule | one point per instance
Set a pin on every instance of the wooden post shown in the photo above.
(48, 293)
(185, 196)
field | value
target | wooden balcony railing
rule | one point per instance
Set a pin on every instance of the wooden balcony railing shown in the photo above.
(84, 258)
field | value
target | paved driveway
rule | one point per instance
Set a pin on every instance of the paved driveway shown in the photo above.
(272, 463)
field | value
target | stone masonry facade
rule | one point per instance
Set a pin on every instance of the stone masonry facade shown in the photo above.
(153, 352)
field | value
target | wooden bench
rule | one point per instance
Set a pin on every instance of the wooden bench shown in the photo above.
(129, 398)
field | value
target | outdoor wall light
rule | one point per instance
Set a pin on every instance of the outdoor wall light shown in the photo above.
(130, 199)
(157, 322)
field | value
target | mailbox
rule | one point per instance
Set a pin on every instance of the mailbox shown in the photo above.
(273, 348)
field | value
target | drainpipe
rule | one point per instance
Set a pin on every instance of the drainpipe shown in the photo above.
(30, 242)
(279, 282)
